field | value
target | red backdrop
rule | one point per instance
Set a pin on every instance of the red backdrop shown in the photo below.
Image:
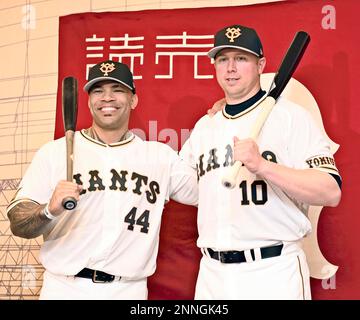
(171, 101)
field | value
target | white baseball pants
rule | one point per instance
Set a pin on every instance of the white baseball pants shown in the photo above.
(59, 287)
(285, 277)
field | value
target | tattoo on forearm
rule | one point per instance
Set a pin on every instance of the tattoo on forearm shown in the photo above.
(27, 220)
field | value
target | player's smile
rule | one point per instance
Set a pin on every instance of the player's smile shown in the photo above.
(108, 110)
(111, 114)
(232, 80)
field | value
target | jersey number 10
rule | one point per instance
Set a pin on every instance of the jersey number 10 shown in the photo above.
(258, 187)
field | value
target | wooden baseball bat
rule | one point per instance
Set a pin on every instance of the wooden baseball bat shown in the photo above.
(282, 77)
(69, 110)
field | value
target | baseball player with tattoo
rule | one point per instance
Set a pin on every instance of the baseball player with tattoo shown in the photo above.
(107, 246)
(250, 236)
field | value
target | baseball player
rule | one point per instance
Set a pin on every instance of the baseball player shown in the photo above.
(106, 247)
(250, 235)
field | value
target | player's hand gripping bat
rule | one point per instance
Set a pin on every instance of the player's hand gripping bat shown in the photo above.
(282, 77)
(69, 110)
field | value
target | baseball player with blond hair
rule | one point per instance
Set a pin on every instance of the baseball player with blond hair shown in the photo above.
(107, 246)
(250, 236)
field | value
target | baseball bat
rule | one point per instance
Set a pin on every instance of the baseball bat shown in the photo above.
(69, 110)
(282, 77)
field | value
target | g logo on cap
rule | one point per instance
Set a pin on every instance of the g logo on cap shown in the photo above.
(232, 33)
(106, 68)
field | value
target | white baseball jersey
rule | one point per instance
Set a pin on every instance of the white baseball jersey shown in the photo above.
(255, 213)
(115, 226)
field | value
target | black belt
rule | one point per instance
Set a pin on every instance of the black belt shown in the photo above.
(96, 276)
(239, 256)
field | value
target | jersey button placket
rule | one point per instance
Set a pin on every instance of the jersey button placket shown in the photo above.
(110, 224)
(224, 214)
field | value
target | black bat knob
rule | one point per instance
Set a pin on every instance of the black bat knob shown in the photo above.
(69, 203)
